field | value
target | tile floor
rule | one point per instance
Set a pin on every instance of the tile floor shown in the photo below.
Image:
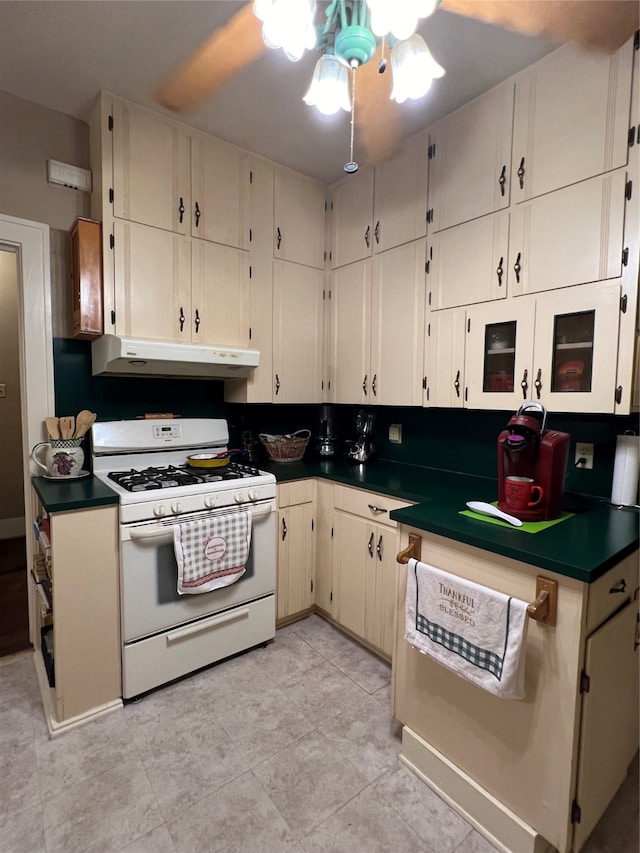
(287, 749)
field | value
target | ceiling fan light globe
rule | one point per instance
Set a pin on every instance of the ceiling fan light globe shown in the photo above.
(329, 89)
(262, 8)
(289, 24)
(414, 69)
(424, 8)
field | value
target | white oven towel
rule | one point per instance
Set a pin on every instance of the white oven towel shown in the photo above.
(213, 552)
(475, 631)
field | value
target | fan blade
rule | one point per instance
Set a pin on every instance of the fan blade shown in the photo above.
(378, 119)
(231, 47)
(598, 24)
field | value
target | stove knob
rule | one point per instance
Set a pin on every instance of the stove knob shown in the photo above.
(159, 510)
(253, 495)
(210, 501)
(239, 497)
(176, 507)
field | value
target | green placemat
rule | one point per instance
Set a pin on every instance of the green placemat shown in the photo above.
(527, 526)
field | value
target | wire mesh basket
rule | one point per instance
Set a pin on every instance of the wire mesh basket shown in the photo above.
(286, 448)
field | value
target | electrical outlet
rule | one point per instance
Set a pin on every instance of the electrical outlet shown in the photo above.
(584, 451)
(395, 433)
(3, 390)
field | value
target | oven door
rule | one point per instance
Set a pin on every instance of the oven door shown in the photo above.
(149, 574)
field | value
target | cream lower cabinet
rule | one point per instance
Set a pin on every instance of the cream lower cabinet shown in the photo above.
(84, 640)
(324, 583)
(378, 328)
(296, 548)
(538, 773)
(365, 545)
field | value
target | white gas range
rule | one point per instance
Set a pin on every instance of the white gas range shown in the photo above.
(166, 635)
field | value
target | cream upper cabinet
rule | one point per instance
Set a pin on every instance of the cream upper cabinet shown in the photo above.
(469, 263)
(152, 279)
(219, 192)
(151, 171)
(470, 160)
(351, 316)
(220, 283)
(400, 197)
(573, 236)
(297, 330)
(397, 326)
(352, 219)
(571, 119)
(570, 365)
(444, 359)
(299, 219)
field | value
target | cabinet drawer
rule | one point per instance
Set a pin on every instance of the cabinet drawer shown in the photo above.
(611, 590)
(298, 492)
(368, 505)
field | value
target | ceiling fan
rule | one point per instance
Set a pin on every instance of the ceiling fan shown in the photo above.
(595, 24)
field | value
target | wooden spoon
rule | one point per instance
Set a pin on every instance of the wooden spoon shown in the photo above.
(84, 420)
(53, 427)
(67, 426)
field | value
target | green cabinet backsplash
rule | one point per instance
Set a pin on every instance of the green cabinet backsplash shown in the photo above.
(447, 439)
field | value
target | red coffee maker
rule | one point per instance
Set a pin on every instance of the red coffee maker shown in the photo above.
(527, 449)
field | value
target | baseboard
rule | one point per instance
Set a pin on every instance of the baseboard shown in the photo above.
(11, 528)
(493, 820)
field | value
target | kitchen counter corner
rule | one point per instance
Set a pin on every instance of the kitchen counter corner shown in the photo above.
(72, 494)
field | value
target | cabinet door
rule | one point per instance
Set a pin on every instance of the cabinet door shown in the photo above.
(571, 119)
(219, 295)
(444, 361)
(498, 355)
(352, 219)
(608, 714)
(219, 186)
(295, 559)
(380, 591)
(323, 588)
(470, 160)
(152, 283)
(299, 219)
(354, 551)
(297, 329)
(400, 207)
(150, 169)
(351, 314)
(397, 326)
(573, 236)
(468, 263)
(575, 355)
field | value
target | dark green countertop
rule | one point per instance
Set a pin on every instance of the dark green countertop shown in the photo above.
(583, 547)
(67, 495)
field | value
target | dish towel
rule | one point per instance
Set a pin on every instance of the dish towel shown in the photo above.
(211, 553)
(475, 631)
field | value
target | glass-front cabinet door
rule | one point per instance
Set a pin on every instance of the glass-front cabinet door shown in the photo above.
(575, 349)
(498, 355)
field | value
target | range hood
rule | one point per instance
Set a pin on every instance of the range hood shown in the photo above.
(116, 356)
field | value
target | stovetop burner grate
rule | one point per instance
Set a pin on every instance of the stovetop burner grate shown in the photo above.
(171, 476)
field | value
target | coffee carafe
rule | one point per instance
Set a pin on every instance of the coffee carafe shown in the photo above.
(532, 461)
(326, 441)
(362, 448)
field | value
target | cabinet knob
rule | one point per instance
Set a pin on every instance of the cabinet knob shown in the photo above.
(502, 180)
(375, 508)
(517, 268)
(499, 272)
(181, 319)
(284, 529)
(373, 384)
(524, 384)
(197, 214)
(370, 545)
(181, 209)
(619, 587)
(278, 238)
(376, 232)
(367, 235)
(538, 383)
(197, 321)
(364, 384)
(277, 383)
(456, 384)
(379, 549)
(521, 173)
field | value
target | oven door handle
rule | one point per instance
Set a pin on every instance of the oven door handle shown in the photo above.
(157, 532)
(207, 625)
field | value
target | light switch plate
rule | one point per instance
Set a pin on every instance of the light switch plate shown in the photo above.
(395, 433)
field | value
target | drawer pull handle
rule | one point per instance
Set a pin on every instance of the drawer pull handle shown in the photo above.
(375, 508)
(200, 627)
(619, 587)
(370, 545)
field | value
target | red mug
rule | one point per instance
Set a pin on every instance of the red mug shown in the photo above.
(519, 493)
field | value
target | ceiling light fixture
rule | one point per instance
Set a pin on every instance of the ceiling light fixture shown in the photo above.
(348, 39)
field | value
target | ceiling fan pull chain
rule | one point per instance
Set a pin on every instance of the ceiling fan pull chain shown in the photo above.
(352, 166)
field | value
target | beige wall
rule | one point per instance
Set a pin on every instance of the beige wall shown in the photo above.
(29, 136)
(11, 493)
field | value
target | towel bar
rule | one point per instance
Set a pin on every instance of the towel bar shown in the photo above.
(413, 550)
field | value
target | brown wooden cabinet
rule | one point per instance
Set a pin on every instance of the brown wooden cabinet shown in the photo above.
(86, 279)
